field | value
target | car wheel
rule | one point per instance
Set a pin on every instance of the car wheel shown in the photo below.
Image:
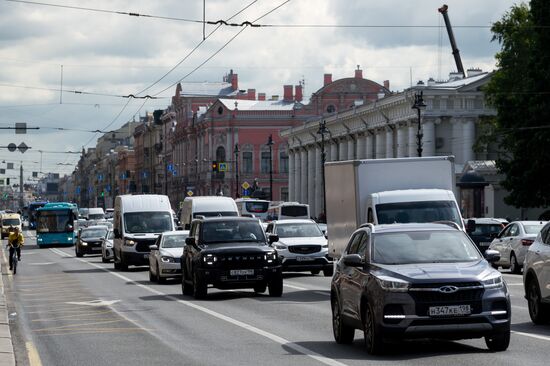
(514, 265)
(186, 288)
(328, 271)
(371, 331)
(498, 342)
(315, 271)
(160, 279)
(260, 289)
(495, 266)
(539, 312)
(276, 286)
(122, 266)
(200, 288)
(78, 252)
(343, 334)
(116, 263)
(104, 259)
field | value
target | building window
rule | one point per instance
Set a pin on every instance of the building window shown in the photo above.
(283, 162)
(246, 165)
(284, 193)
(331, 108)
(264, 167)
(220, 154)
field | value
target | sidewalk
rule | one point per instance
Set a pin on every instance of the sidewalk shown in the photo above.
(6, 347)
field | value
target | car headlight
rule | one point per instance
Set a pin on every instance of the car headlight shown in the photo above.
(210, 259)
(129, 242)
(39, 239)
(493, 281)
(108, 244)
(84, 243)
(324, 246)
(393, 284)
(280, 246)
(270, 257)
(168, 259)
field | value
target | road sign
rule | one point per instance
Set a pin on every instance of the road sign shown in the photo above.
(190, 193)
(222, 167)
(12, 147)
(20, 128)
(246, 192)
(245, 185)
(22, 147)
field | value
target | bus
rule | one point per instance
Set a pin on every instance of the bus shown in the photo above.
(33, 206)
(253, 206)
(288, 210)
(56, 224)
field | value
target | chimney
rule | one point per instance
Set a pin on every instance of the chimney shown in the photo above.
(261, 96)
(251, 95)
(233, 79)
(328, 79)
(387, 84)
(298, 97)
(358, 73)
(274, 97)
(287, 95)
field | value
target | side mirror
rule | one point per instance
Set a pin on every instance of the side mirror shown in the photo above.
(353, 260)
(179, 228)
(272, 238)
(70, 227)
(491, 255)
(471, 226)
(116, 232)
(153, 247)
(190, 241)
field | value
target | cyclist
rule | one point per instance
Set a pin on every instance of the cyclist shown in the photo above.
(15, 242)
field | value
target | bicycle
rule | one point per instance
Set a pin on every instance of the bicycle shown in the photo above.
(14, 259)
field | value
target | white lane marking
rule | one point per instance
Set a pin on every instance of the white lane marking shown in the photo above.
(520, 307)
(537, 336)
(60, 252)
(41, 264)
(514, 284)
(275, 338)
(295, 287)
(94, 302)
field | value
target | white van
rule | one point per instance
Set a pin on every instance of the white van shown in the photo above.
(206, 206)
(138, 221)
(95, 213)
(288, 210)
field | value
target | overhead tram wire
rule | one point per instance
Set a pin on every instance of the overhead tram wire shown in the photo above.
(218, 51)
(193, 50)
(113, 121)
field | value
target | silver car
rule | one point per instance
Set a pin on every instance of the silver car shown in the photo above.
(165, 256)
(513, 241)
(536, 277)
(107, 247)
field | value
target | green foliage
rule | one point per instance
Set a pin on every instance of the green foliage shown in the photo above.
(519, 90)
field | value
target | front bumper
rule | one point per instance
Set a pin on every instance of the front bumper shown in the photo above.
(223, 279)
(108, 253)
(136, 258)
(89, 248)
(169, 269)
(296, 262)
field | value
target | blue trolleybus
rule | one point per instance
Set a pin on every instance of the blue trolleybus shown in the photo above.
(33, 206)
(55, 224)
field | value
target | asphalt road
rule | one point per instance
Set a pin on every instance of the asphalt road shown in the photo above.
(79, 311)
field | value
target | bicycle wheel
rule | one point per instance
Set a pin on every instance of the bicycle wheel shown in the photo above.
(14, 263)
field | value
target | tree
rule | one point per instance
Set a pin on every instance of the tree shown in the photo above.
(519, 90)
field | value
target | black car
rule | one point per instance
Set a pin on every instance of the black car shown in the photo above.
(89, 240)
(418, 281)
(485, 230)
(230, 253)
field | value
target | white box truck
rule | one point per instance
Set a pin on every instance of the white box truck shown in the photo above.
(387, 191)
(206, 206)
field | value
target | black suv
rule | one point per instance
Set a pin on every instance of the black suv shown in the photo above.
(418, 281)
(229, 253)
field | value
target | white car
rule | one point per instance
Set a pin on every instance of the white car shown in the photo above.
(302, 246)
(513, 241)
(165, 256)
(536, 277)
(107, 246)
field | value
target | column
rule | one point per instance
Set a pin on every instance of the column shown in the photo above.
(457, 140)
(361, 152)
(380, 141)
(389, 142)
(303, 181)
(318, 183)
(428, 128)
(342, 150)
(291, 174)
(402, 138)
(311, 179)
(297, 176)
(351, 148)
(333, 151)
(369, 145)
(469, 135)
(412, 139)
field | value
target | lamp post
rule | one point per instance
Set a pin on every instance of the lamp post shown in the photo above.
(419, 106)
(270, 144)
(322, 131)
(236, 152)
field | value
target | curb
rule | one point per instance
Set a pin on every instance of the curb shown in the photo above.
(7, 356)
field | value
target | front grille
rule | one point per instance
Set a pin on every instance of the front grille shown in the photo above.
(425, 297)
(304, 249)
(241, 261)
(143, 245)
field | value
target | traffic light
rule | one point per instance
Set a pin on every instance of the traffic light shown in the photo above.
(214, 166)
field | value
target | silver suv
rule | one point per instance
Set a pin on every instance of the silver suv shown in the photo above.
(536, 277)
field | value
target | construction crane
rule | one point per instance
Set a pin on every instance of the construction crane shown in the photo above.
(456, 52)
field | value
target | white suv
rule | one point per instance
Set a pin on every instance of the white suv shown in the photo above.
(536, 277)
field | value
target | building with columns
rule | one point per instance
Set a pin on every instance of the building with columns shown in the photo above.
(387, 128)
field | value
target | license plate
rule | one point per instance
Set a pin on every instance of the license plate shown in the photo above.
(146, 256)
(451, 310)
(304, 259)
(241, 272)
(485, 243)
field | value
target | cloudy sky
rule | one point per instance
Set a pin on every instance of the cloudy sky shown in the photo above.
(100, 52)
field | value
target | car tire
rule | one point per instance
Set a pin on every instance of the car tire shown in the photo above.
(104, 260)
(78, 253)
(116, 263)
(495, 266)
(374, 343)
(498, 342)
(315, 271)
(515, 268)
(200, 288)
(160, 279)
(343, 334)
(328, 271)
(186, 288)
(122, 266)
(276, 286)
(260, 289)
(539, 312)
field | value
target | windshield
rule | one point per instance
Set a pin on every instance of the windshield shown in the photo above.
(418, 212)
(111, 235)
(232, 232)
(174, 241)
(257, 207)
(54, 222)
(215, 213)
(8, 222)
(96, 216)
(487, 229)
(532, 229)
(305, 230)
(147, 222)
(93, 233)
(294, 211)
(423, 247)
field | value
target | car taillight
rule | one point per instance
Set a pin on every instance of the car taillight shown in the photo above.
(526, 242)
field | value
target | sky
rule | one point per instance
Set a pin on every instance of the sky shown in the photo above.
(98, 51)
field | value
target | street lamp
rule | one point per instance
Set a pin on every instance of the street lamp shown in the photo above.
(270, 144)
(236, 152)
(419, 105)
(322, 131)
